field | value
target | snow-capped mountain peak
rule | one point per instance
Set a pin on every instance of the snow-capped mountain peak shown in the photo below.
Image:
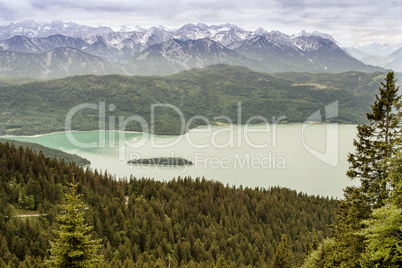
(192, 45)
(35, 29)
(260, 31)
(313, 43)
(315, 33)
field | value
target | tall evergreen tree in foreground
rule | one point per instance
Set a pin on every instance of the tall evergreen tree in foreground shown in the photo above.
(375, 144)
(383, 230)
(372, 163)
(74, 247)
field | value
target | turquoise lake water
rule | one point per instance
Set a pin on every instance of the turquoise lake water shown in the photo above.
(311, 159)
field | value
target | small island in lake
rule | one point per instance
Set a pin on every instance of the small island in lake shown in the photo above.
(162, 161)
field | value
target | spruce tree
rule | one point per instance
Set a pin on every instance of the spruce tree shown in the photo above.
(383, 232)
(221, 263)
(375, 144)
(370, 164)
(395, 174)
(74, 246)
(282, 257)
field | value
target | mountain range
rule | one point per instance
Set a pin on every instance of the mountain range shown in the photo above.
(59, 49)
(384, 55)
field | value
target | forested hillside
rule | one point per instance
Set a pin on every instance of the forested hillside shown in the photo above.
(42, 107)
(10, 80)
(49, 152)
(143, 222)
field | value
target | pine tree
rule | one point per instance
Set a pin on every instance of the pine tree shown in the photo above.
(375, 144)
(221, 263)
(73, 247)
(370, 163)
(396, 177)
(383, 233)
(282, 257)
(395, 171)
(319, 257)
(383, 230)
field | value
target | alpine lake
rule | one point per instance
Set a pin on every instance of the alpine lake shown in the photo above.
(307, 158)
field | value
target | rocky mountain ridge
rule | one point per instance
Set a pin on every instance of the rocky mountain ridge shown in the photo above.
(158, 50)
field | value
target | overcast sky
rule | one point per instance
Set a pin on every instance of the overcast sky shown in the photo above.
(349, 21)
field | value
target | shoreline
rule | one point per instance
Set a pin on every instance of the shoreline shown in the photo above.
(60, 132)
(167, 135)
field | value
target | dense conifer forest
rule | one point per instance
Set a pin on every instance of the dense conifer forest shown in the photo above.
(49, 152)
(146, 223)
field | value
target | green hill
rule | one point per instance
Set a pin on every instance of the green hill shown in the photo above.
(10, 81)
(49, 152)
(41, 107)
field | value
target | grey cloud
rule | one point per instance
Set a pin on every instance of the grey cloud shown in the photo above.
(344, 19)
(292, 3)
(6, 13)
